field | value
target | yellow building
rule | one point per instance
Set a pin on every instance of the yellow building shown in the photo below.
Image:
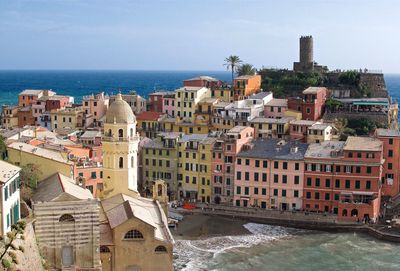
(223, 93)
(194, 168)
(134, 235)
(270, 128)
(186, 100)
(9, 117)
(48, 161)
(120, 150)
(68, 118)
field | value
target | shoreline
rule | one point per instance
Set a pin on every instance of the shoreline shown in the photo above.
(197, 224)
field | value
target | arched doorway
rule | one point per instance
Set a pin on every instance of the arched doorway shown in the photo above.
(120, 133)
(344, 212)
(354, 212)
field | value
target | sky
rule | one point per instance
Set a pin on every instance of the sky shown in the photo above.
(196, 34)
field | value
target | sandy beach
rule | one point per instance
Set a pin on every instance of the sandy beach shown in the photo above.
(194, 226)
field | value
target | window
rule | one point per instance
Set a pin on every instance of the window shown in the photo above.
(121, 162)
(276, 178)
(357, 184)
(390, 165)
(347, 183)
(337, 168)
(390, 141)
(256, 176)
(160, 249)
(368, 184)
(264, 191)
(239, 175)
(348, 169)
(247, 161)
(327, 196)
(264, 177)
(93, 175)
(283, 193)
(337, 183)
(255, 190)
(246, 176)
(336, 196)
(327, 183)
(309, 181)
(296, 166)
(369, 169)
(239, 161)
(120, 133)
(284, 165)
(317, 182)
(66, 218)
(296, 193)
(265, 164)
(284, 179)
(275, 192)
(316, 195)
(246, 190)
(133, 234)
(257, 163)
(358, 169)
(328, 168)
(308, 195)
(276, 164)
(296, 179)
(390, 153)
(238, 190)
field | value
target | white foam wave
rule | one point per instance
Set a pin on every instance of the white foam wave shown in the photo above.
(193, 254)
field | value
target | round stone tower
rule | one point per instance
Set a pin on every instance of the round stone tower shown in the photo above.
(306, 49)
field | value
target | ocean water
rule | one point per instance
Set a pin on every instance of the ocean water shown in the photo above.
(79, 83)
(275, 248)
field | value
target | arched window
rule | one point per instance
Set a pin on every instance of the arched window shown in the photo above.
(131, 132)
(344, 212)
(66, 218)
(109, 132)
(132, 161)
(104, 249)
(159, 189)
(354, 212)
(121, 162)
(121, 133)
(133, 234)
(161, 249)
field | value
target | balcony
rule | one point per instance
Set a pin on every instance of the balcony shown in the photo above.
(119, 139)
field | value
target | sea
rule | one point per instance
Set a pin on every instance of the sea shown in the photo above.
(266, 247)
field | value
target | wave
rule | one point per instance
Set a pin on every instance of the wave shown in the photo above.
(194, 254)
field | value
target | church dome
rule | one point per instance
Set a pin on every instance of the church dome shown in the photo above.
(120, 112)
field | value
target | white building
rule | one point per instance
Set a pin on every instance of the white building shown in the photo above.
(10, 200)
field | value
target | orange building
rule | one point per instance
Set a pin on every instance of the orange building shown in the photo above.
(246, 85)
(25, 117)
(343, 178)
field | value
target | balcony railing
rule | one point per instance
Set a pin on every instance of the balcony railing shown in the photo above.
(119, 139)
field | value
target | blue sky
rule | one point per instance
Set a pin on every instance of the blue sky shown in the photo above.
(196, 35)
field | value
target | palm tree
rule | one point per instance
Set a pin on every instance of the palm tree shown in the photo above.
(232, 63)
(246, 69)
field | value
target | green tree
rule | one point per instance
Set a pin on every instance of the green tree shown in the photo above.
(29, 176)
(232, 63)
(3, 147)
(246, 69)
(17, 232)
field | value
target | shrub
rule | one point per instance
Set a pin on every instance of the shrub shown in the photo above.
(6, 264)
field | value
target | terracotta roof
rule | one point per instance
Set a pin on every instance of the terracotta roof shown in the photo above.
(149, 115)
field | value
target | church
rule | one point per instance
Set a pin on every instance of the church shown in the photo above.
(134, 232)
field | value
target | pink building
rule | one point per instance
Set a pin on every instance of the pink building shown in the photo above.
(298, 129)
(275, 108)
(390, 174)
(90, 175)
(269, 174)
(225, 150)
(314, 99)
(95, 106)
(169, 106)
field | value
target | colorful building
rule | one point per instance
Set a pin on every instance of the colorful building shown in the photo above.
(169, 107)
(30, 96)
(320, 132)
(135, 101)
(156, 100)
(270, 128)
(120, 150)
(148, 123)
(160, 161)
(391, 153)
(275, 108)
(71, 117)
(186, 100)
(224, 152)
(9, 116)
(203, 81)
(298, 129)
(194, 167)
(95, 105)
(246, 85)
(269, 174)
(344, 178)
(10, 199)
(313, 106)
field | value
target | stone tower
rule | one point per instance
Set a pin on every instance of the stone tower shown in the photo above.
(160, 194)
(306, 50)
(120, 150)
